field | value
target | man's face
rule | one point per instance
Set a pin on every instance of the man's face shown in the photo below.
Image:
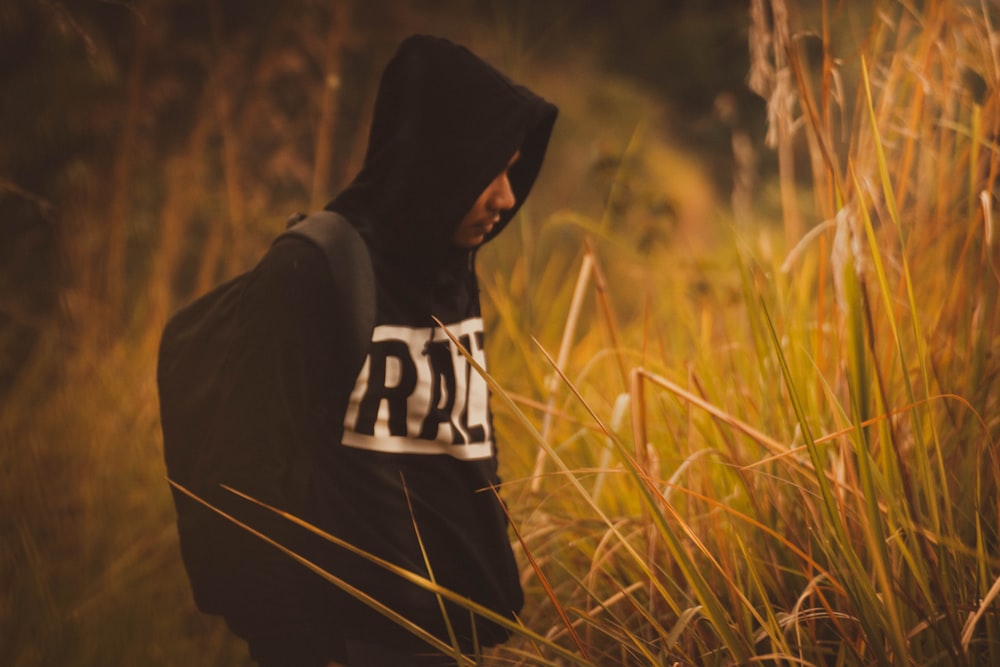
(496, 198)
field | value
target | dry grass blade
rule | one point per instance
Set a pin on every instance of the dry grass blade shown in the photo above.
(354, 592)
(456, 651)
(553, 598)
(970, 626)
(569, 330)
(769, 443)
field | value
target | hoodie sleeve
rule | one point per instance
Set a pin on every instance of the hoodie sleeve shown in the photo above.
(280, 405)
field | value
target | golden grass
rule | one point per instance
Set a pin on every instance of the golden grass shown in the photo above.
(800, 480)
(782, 452)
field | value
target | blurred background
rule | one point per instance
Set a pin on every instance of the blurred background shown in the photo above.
(751, 246)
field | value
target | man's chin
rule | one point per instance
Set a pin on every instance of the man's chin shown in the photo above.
(469, 242)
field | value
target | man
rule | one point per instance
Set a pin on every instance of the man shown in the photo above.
(398, 459)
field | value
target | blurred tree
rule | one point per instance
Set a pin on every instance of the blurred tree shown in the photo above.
(65, 71)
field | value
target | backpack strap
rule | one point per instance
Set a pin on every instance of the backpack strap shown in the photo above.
(353, 276)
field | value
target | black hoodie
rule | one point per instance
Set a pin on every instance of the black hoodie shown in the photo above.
(399, 460)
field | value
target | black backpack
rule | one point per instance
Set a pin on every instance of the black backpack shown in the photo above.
(192, 350)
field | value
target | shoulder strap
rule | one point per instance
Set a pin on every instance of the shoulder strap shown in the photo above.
(351, 268)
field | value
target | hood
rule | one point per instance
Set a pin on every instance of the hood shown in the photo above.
(445, 124)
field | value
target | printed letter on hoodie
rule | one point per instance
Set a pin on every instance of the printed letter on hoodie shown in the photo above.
(418, 394)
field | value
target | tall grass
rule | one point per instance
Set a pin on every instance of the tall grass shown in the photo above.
(788, 456)
(783, 452)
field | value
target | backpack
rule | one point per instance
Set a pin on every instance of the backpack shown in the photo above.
(191, 355)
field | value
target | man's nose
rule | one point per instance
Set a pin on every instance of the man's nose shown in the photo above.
(502, 195)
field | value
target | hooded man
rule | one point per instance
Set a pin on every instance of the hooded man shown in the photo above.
(398, 459)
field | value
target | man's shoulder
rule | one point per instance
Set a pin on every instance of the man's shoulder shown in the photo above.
(294, 258)
(292, 280)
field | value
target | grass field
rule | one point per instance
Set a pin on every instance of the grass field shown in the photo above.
(780, 449)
